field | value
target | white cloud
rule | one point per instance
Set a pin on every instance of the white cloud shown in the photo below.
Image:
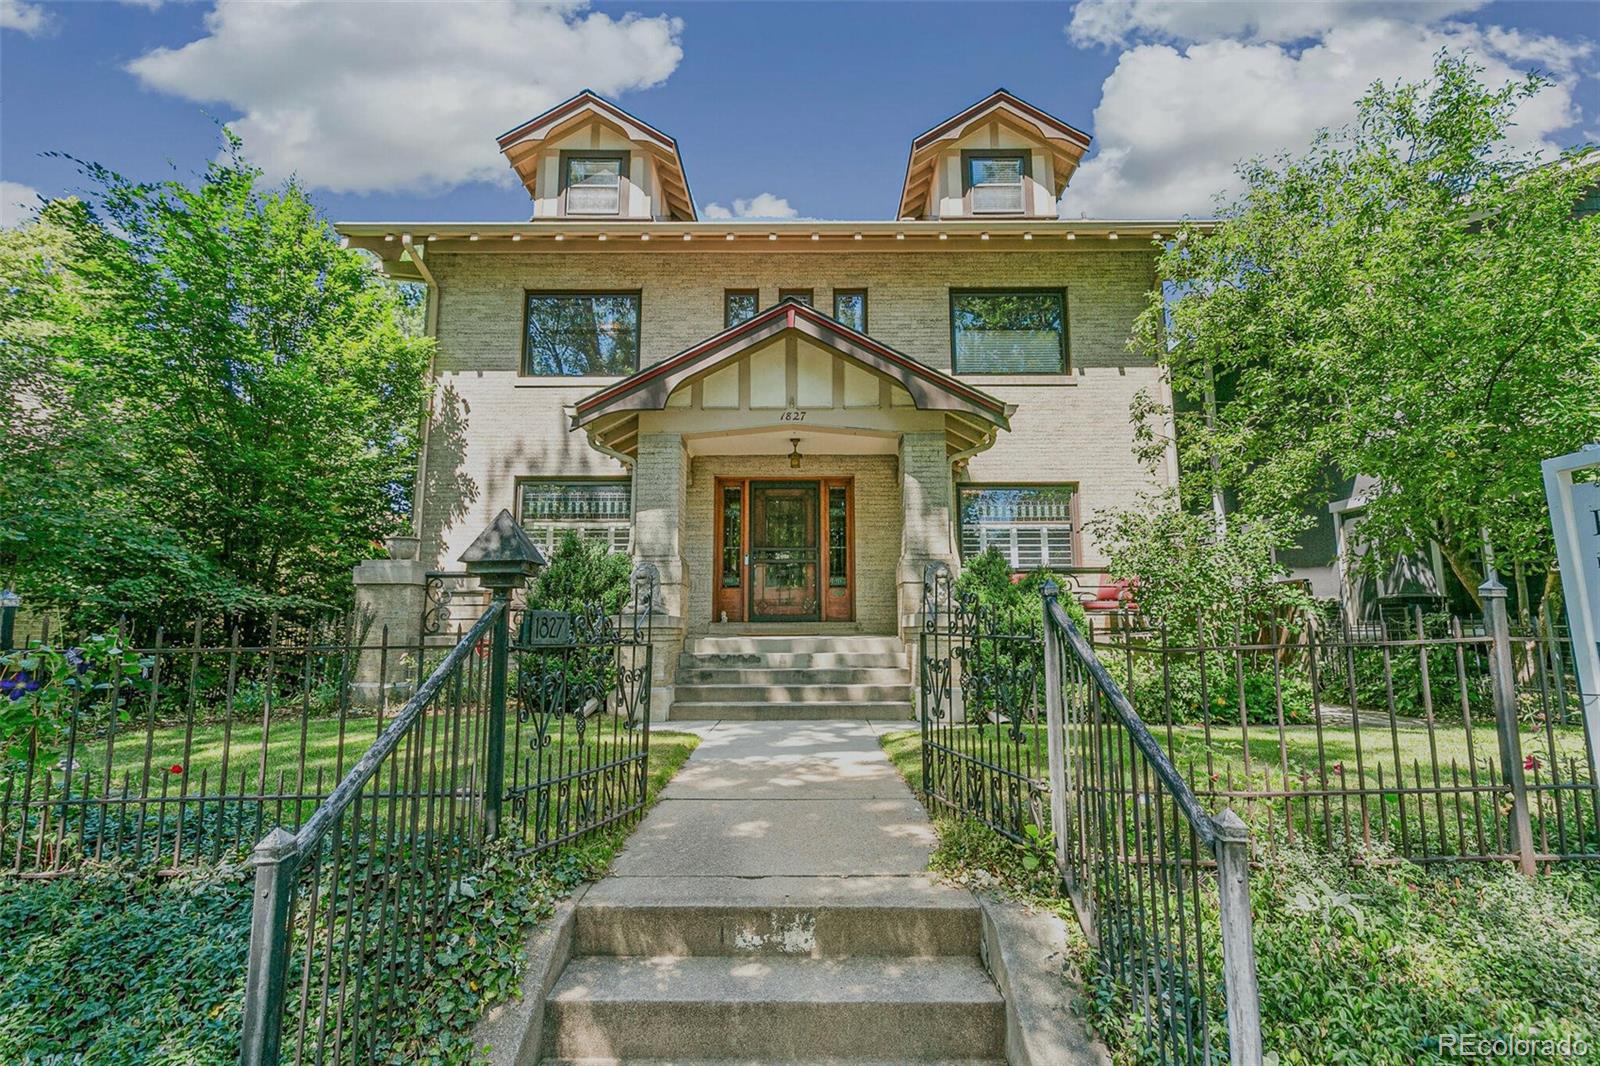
(1171, 122)
(17, 203)
(31, 19)
(1113, 22)
(365, 97)
(762, 205)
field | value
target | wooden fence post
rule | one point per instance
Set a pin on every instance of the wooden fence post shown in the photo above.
(1238, 940)
(261, 1030)
(1055, 735)
(1502, 678)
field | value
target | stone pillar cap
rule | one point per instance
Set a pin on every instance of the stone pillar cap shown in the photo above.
(503, 555)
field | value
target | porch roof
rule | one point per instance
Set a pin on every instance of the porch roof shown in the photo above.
(973, 416)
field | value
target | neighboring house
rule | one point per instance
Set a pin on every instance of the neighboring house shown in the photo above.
(789, 419)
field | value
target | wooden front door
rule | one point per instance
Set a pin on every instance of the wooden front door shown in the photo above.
(785, 550)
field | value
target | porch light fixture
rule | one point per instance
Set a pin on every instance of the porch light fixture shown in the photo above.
(772, 236)
(1072, 236)
(732, 237)
(644, 236)
(602, 237)
(1027, 236)
(688, 236)
(561, 236)
(514, 237)
(1111, 236)
(794, 453)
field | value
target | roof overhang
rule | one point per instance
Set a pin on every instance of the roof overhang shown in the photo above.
(521, 146)
(389, 239)
(1066, 144)
(976, 415)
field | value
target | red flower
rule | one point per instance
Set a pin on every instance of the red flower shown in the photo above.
(1338, 767)
(175, 768)
(1530, 763)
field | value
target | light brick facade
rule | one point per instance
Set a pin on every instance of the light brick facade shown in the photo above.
(493, 426)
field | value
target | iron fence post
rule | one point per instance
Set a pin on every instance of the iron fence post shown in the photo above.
(495, 763)
(1238, 939)
(1055, 723)
(1502, 677)
(261, 1030)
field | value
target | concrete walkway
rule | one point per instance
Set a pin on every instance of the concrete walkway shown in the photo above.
(783, 799)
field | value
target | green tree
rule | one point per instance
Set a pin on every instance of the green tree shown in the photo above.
(218, 406)
(1408, 300)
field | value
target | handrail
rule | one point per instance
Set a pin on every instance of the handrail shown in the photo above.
(1202, 823)
(344, 794)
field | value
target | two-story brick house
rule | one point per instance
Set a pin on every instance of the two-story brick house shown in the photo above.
(789, 419)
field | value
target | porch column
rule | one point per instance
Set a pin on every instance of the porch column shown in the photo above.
(927, 496)
(660, 493)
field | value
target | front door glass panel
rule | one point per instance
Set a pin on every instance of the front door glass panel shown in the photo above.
(784, 551)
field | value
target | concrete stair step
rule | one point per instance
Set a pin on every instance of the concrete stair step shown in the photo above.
(789, 712)
(795, 660)
(669, 1007)
(801, 693)
(810, 917)
(762, 644)
(691, 672)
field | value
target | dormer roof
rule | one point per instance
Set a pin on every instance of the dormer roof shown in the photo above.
(1065, 143)
(523, 146)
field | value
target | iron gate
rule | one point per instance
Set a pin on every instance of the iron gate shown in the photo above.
(578, 744)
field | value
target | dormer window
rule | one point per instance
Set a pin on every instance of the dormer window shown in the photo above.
(593, 182)
(996, 181)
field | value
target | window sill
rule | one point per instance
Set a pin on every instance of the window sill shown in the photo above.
(1041, 380)
(562, 382)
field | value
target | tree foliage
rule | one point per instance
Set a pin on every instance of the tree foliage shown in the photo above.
(1192, 577)
(210, 404)
(1409, 300)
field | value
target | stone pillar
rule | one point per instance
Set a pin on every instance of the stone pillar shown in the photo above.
(927, 495)
(389, 605)
(660, 502)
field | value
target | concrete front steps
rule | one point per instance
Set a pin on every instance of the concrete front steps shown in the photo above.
(761, 676)
(794, 970)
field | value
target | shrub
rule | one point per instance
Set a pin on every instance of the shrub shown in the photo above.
(42, 687)
(1180, 697)
(580, 575)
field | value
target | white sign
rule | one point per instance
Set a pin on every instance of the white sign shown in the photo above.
(1575, 518)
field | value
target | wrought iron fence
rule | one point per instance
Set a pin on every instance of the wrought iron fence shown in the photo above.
(982, 690)
(1427, 739)
(175, 748)
(1025, 730)
(348, 908)
(1161, 887)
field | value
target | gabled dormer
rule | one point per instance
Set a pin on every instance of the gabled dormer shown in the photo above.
(1000, 158)
(587, 158)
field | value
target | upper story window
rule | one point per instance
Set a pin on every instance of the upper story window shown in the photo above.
(1032, 526)
(739, 305)
(599, 511)
(1017, 331)
(850, 307)
(804, 296)
(593, 181)
(581, 334)
(996, 181)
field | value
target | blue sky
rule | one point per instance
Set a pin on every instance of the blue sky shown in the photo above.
(389, 111)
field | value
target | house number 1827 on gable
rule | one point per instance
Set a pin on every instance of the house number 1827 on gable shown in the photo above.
(793, 414)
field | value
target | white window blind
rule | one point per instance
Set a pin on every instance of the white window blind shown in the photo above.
(1031, 527)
